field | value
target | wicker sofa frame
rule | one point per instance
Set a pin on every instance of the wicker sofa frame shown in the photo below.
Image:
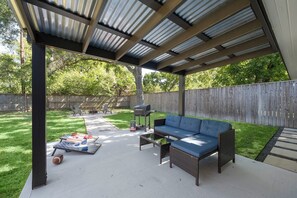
(190, 163)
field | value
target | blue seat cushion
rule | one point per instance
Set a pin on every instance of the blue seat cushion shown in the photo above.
(197, 145)
(213, 128)
(172, 120)
(190, 124)
(175, 132)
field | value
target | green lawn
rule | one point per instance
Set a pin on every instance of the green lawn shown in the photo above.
(15, 141)
(250, 138)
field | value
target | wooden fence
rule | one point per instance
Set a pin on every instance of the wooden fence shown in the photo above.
(11, 102)
(265, 103)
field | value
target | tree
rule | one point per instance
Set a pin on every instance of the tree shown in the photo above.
(202, 79)
(91, 77)
(160, 81)
(262, 69)
(9, 74)
(137, 73)
(8, 25)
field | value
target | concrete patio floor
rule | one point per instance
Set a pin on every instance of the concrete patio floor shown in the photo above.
(119, 169)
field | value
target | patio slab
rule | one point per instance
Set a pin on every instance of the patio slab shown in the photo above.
(119, 169)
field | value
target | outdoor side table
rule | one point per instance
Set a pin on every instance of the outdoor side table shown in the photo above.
(162, 142)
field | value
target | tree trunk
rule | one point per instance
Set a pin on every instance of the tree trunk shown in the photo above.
(137, 73)
(138, 82)
(22, 61)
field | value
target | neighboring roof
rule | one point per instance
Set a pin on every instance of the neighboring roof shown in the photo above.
(177, 36)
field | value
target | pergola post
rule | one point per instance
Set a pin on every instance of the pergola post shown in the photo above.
(39, 174)
(181, 95)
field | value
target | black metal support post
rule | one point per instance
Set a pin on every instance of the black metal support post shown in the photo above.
(181, 95)
(39, 174)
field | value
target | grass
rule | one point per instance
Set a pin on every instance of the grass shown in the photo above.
(250, 138)
(16, 130)
(123, 117)
(15, 141)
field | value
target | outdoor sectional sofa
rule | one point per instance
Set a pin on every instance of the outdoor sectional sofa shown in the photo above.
(197, 139)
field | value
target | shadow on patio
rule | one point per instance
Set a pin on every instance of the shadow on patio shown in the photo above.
(119, 169)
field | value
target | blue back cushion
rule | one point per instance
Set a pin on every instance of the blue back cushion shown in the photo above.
(213, 128)
(172, 120)
(190, 124)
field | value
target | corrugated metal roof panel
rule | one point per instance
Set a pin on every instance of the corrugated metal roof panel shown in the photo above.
(252, 49)
(179, 63)
(57, 25)
(162, 1)
(217, 60)
(244, 16)
(139, 50)
(193, 10)
(194, 67)
(162, 57)
(127, 16)
(82, 7)
(187, 44)
(163, 32)
(107, 41)
(244, 38)
(205, 53)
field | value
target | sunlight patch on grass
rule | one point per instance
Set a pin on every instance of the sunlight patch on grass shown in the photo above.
(14, 149)
(6, 168)
(16, 143)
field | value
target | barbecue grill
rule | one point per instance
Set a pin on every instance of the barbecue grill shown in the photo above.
(143, 111)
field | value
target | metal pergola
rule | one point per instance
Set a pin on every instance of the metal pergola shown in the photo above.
(176, 36)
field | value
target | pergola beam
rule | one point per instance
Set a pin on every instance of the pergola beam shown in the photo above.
(236, 59)
(152, 22)
(93, 23)
(59, 10)
(233, 34)
(26, 18)
(178, 21)
(86, 21)
(220, 14)
(258, 10)
(225, 52)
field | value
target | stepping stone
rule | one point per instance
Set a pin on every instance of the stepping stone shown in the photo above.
(290, 129)
(284, 152)
(294, 136)
(287, 139)
(289, 132)
(286, 145)
(281, 163)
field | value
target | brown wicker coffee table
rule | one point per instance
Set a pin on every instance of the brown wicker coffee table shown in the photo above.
(155, 139)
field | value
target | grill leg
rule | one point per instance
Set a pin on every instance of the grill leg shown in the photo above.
(144, 123)
(149, 125)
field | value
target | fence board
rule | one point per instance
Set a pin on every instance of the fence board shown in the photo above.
(12, 102)
(264, 103)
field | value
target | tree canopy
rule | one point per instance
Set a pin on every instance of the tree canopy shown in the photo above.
(262, 69)
(8, 25)
(84, 75)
